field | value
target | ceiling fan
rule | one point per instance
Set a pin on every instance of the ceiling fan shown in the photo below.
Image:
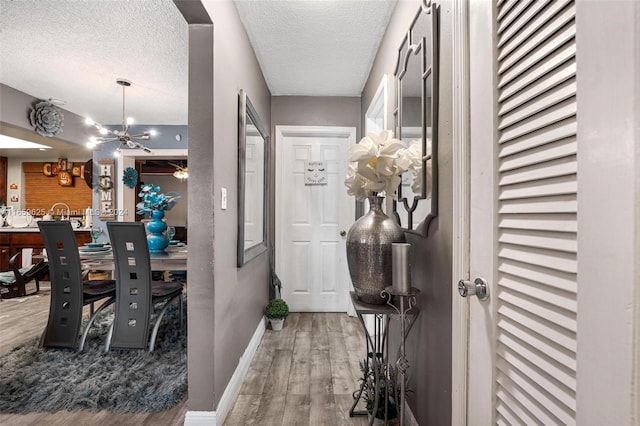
(182, 172)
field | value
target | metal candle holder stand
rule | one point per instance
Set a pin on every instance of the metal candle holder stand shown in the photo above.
(407, 301)
(377, 347)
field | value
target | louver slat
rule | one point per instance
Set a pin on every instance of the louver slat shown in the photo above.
(528, 43)
(527, 23)
(537, 204)
(512, 12)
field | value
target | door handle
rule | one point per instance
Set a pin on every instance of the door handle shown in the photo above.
(343, 233)
(478, 287)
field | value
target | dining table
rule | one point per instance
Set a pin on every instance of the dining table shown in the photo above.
(173, 258)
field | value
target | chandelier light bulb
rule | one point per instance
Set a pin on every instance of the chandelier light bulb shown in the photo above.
(117, 152)
(91, 144)
(130, 121)
(103, 131)
(88, 121)
(153, 132)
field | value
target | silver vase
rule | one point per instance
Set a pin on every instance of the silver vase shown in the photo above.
(369, 252)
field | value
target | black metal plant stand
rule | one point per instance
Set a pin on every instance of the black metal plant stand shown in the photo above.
(377, 344)
(405, 302)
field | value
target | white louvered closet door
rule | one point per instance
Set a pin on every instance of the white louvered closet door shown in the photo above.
(522, 341)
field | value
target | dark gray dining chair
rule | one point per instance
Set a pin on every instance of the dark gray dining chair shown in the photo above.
(13, 283)
(69, 292)
(136, 293)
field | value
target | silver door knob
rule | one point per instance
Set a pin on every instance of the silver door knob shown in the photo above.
(478, 287)
(343, 233)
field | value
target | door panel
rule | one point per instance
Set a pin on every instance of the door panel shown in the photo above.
(310, 252)
(523, 198)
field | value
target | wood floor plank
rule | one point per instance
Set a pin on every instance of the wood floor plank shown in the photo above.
(296, 410)
(352, 331)
(320, 337)
(300, 366)
(322, 407)
(278, 378)
(271, 410)
(333, 322)
(342, 377)
(304, 321)
(244, 411)
(343, 405)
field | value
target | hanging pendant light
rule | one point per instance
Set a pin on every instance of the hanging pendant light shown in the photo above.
(122, 136)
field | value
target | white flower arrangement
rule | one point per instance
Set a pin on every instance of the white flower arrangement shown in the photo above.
(377, 163)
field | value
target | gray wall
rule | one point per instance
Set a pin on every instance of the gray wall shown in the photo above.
(225, 302)
(429, 344)
(15, 107)
(316, 111)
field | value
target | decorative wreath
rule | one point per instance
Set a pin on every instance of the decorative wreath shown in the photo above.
(46, 119)
(108, 183)
(130, 177)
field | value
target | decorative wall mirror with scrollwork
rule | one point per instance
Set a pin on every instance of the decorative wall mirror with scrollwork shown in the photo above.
(253, 181)
(416, 118)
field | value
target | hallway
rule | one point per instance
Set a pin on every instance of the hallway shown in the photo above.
(304, 374)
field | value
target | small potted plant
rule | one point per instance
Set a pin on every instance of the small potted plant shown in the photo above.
(276, 310)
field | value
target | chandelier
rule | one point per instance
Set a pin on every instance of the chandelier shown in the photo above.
(182, 172)
(121, 136)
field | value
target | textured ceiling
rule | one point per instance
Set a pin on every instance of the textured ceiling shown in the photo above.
(315, 47)
(74, 50)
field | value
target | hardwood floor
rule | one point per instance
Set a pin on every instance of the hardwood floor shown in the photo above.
(302, 375)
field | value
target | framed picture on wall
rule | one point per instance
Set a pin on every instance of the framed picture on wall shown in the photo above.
(62, 164)
(64, 178)
(76, 170)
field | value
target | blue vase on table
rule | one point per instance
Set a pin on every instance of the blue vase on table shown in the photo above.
(156, 239)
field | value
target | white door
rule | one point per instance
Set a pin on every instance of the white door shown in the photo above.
(310, 218)
(523, 207)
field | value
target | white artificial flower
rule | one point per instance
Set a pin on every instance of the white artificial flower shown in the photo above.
(355, 183)
(377, 162)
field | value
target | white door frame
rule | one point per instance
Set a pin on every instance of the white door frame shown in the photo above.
(310, 131)
(377, 107)
(461, 213)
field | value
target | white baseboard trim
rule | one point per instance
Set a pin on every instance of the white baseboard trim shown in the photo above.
(211, 418)
(200, 418)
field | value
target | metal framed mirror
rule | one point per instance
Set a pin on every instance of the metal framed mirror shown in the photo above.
(253, 181)
(416, 118)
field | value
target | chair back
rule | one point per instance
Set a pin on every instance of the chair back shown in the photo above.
(65, 312)
(133, 285)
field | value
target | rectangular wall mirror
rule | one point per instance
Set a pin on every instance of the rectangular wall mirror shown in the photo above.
(253, 181)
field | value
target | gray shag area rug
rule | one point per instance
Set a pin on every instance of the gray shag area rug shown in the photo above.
(48, 380)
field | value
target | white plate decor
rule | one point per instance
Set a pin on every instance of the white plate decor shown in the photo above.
(19, 219)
